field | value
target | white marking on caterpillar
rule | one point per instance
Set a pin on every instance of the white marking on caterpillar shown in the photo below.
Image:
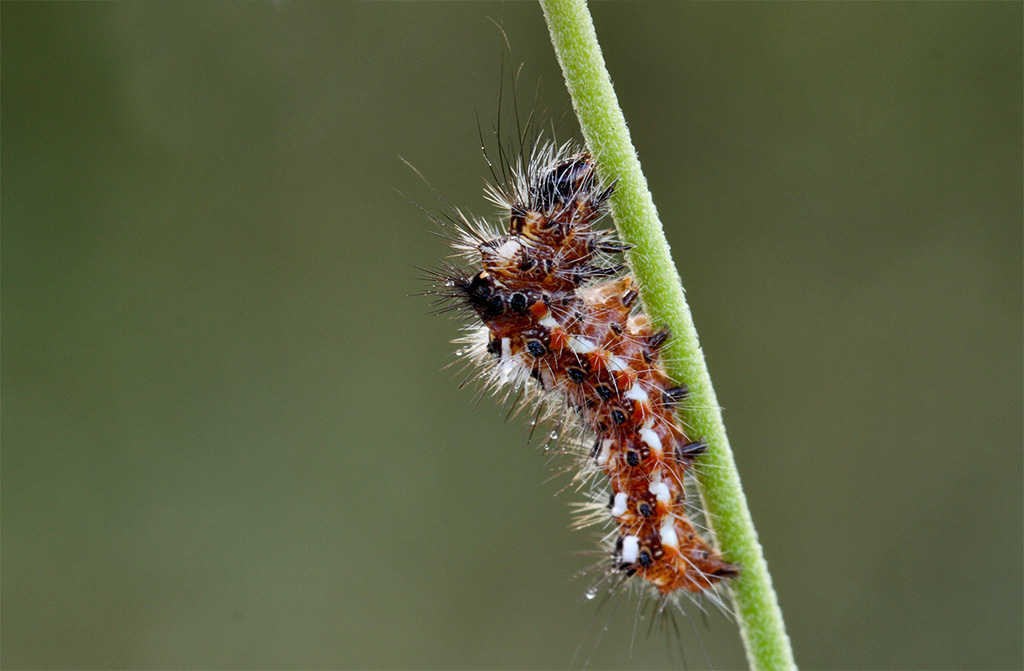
(508, 250)
(668, 534)
(617, 364)
(637, 393)
(630, 549)
(660, 491)
(548, 321)
(652, 440)
(621, 504)
(581, 345)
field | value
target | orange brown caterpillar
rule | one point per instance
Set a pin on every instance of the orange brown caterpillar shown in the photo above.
(551, 310)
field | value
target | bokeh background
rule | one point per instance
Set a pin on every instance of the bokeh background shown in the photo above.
(227, 438)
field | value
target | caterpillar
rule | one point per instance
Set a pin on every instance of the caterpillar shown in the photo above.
(551, 310)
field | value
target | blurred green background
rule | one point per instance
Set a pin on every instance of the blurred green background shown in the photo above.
(227, 438)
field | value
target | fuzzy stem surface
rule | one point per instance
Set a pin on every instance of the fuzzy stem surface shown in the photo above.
(604, 128)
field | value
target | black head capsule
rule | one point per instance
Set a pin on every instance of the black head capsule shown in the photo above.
(482, 294)
(478, 287)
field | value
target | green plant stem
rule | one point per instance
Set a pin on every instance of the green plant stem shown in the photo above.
(604, 128)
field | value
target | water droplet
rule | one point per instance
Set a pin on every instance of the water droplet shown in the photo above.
(590, 593)
(554, 435)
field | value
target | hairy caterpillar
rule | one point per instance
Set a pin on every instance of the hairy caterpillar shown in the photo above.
(551, 311)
